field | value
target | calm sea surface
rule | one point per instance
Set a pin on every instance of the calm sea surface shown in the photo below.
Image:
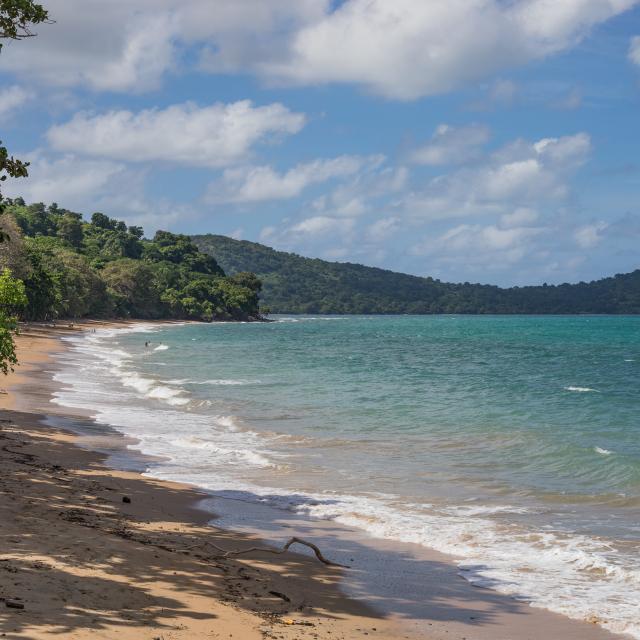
(511, 442)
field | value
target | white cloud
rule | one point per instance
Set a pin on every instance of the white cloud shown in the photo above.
(452, 145)
(11, 98)
(69, 180)
(213, 136)
(410, 48)
(521, 217)
(130, 45)
(402, 49)
(590, 235)
(147, 53)
(382, 229)
(267, 233)
(96, 185)
(487, 245)
(520, 174)
(321, 225)
(255, 184)
(359, 194)
(634, 50)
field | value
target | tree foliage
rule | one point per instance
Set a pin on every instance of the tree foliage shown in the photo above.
(18, 16)
(293, 284)
(72, 269)
(12, 300)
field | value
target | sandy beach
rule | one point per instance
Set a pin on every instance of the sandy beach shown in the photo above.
(93, 552)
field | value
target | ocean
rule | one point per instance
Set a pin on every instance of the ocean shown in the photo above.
(512, 443)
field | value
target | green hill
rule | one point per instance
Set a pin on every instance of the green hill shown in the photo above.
(71, 268)
(293, 284)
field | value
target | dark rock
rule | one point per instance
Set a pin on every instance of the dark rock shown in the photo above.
(126, 499)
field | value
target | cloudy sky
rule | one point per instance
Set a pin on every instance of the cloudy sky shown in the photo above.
(489, 141)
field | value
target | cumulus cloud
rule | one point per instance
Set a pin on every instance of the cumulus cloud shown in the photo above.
(520, 174)
(521, 217)
(130, 45)
(359, 194)
(410, 48)
(634, 50)
(12, 98)
(319, 235)
(67, 179)
(146, 54)
(590, 235)
(382, 229)
(256, 184)
(402, 49)
(88, 185)
(321, 225)
(486, 245)
(452, 145)
(215, 136)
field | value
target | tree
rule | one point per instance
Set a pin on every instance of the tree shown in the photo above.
(12, 299)
(13, 254)
(16, 19)
(10, 167)
(70, 229)
(128, 282)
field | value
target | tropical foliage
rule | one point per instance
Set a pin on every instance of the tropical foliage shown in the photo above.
(12, 301)
(71, 268)
(293, 284)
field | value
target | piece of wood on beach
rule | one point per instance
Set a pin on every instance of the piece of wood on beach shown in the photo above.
(285, 548)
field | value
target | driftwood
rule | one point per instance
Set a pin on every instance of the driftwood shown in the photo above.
(285, 548)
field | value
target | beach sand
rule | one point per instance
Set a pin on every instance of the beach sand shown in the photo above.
(78, 561)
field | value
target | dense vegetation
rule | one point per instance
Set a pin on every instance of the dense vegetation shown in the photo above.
(293, 284)
(17, 17)
(71, 268)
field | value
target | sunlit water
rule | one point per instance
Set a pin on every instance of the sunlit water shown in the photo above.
(510, 442)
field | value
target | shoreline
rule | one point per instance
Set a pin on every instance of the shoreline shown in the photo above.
(452, 607)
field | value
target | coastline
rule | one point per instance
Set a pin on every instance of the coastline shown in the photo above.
(176, 587)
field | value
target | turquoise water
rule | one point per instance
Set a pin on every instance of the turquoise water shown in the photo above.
(510, 442)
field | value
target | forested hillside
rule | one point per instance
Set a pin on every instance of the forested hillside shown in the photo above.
(72, 268)
(293, 284)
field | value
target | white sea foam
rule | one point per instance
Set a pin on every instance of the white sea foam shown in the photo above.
(575, 575)
(117, 363)
(161, 347)
(229, 422)
(485, 510)
(602, 452)
(581, 389)
(310, 319)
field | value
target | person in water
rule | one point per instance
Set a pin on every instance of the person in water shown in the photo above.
(146, 344)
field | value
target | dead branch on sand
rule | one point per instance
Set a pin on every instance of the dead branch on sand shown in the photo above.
(285, 548)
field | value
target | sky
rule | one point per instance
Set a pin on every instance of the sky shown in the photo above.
(491, 141)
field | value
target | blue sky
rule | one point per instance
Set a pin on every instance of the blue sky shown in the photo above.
(470, 140)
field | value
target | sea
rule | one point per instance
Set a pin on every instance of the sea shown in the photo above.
(511, 443)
